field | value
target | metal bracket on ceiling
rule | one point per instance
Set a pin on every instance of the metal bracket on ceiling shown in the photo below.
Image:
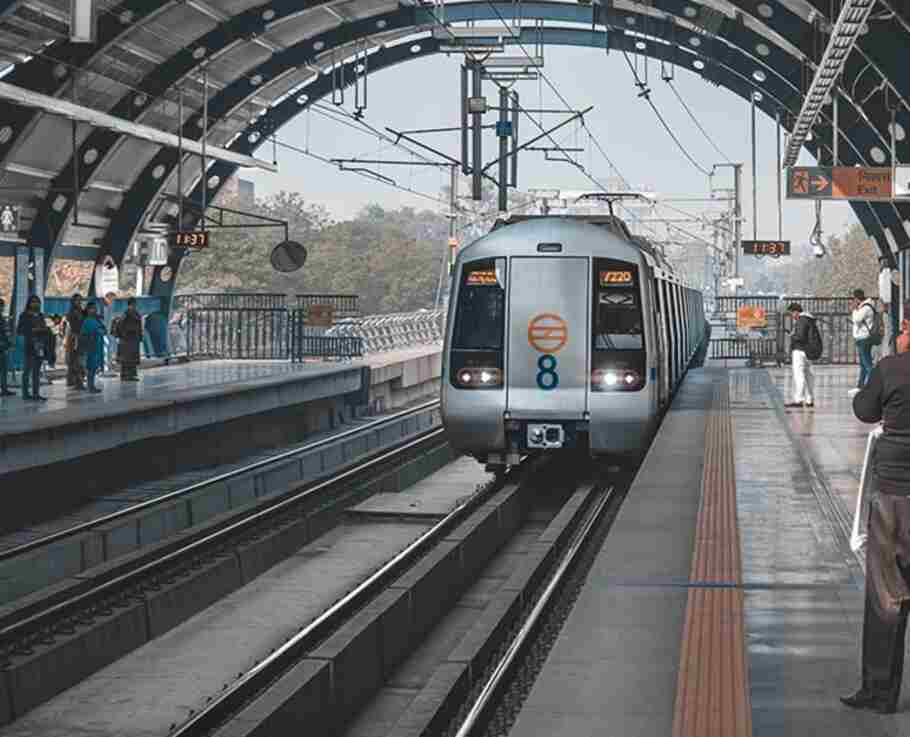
(337, 80)
(361, 70)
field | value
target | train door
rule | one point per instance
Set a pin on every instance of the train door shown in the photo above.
(662, 341)
(547, 367)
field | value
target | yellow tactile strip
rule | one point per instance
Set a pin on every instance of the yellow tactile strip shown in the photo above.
(712, 691)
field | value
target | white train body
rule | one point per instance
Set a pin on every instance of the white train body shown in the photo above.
(563, 332)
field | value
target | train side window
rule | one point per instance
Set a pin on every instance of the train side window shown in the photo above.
(480, 314)
(618, 320)
(668, 323)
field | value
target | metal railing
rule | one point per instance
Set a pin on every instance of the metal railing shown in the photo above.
(344, 306)
(252, 333)
(246, 333)
(772, 342)
(240, 300)
(394, 331)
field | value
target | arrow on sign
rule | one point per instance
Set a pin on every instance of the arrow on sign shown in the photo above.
(819, 183)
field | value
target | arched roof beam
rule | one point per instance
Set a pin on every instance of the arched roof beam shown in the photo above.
(50, 222)
(48, 76)
(321, 86)
(305, 53)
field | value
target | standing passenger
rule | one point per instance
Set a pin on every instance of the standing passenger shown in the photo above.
(886, 398)
(803, 380)
(75, 375)
(5, 345)
(863, 318)
(91, 344)
(129, 333)
(33, 328)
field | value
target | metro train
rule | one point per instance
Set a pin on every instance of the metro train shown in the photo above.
(564, 332)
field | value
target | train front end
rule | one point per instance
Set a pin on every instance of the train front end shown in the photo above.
(546, 346)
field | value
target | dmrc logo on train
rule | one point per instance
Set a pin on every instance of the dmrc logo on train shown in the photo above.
(547, 334)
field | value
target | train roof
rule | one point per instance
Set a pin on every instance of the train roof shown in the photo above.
(616, 226)
(611, 222)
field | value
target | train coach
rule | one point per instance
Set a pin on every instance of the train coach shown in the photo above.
(564, 332)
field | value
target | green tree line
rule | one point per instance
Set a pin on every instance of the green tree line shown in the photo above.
(390, 258)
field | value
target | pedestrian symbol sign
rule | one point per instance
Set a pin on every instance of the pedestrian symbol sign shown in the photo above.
(839, 183)
(9, 220)
(809, 181)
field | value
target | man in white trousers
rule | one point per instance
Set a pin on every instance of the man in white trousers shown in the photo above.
(803, 380)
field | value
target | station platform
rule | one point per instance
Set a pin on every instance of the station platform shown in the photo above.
(187, 416)
(725, 600)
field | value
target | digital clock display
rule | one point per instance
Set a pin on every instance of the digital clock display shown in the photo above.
(766, 248)
(191, 239)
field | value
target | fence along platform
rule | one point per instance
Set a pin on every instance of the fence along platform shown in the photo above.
(770, 342)
(274, 327)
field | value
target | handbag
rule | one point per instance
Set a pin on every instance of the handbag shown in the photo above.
(864, 497)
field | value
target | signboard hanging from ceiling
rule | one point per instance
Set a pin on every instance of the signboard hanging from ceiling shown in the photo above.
(83, 21)
(9, 219)
(840, 183)
(107, 278)
(902, 181)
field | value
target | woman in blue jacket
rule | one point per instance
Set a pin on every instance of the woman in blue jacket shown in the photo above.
(91, 344)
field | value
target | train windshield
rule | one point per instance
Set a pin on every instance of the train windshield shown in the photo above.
(480, 315)
(618, 322)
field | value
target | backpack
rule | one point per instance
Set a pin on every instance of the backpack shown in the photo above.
(877, 329)
(814, 345)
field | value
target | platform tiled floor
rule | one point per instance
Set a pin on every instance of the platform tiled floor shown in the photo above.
(175, 383)
(797, 475)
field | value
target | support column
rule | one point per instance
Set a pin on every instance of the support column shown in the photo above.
(503, 149)
(477, 132)
(163, 285)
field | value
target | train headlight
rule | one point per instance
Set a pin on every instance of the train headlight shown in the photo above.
(606, 380)
(479, 378)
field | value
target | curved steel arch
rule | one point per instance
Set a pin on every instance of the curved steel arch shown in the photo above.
(232, 96)
(775, 92)
(95, 151)
(41, 73)
(789, 25)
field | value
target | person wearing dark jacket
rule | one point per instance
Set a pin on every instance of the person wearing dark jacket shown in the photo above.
(33, 327)
(5, 345)
(75, 374)
(803, 379)
(886, 398)
(129, 334)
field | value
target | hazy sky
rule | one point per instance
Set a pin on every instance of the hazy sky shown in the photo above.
(424, 94)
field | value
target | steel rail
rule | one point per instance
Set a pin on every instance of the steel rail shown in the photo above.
(54, 537)
(198, 546)
(478, 714)
(250, 685)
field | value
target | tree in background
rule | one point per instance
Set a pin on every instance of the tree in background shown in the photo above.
(238, 259)
(852, 263)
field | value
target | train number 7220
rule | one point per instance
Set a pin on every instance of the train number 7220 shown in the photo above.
(615, 277)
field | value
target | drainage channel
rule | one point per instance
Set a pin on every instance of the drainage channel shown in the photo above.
(404, 663)
(119, 607)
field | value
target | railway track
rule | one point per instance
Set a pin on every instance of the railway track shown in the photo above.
(37, 633)
(554, 525)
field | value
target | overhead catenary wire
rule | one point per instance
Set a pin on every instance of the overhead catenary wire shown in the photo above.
(646, 95)
(698, 125)
(389, 183)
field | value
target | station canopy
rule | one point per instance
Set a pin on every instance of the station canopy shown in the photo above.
(153, 64)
